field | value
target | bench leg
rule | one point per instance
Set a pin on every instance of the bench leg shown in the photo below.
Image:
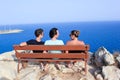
(85, 67)
(18, 66)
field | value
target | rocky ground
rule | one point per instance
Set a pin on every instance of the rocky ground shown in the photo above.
(102, 65)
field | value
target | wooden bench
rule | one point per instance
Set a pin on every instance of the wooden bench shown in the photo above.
(26, 56)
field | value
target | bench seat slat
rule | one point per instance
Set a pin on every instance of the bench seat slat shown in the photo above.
(52, 47)
(42, 55)
(50, 60)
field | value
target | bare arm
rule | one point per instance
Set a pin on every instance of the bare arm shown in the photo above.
(23, 44)
(82, 43)
(67, 44)
(44, 51)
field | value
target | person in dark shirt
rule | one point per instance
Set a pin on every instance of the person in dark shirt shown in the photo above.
(39, 35)
(37, 41)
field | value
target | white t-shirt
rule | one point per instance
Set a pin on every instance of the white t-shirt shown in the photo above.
(54, 42)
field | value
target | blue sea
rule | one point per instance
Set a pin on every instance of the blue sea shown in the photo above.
(96, 34)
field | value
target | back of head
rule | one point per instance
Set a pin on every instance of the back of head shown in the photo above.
(38, 32)
(75, 33)
(53, 32)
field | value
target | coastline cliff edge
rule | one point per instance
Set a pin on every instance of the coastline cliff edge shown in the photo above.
(102, 65)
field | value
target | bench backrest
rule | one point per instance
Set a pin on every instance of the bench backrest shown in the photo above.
(83, 51)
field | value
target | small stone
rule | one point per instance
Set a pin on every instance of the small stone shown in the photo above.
(99, 77)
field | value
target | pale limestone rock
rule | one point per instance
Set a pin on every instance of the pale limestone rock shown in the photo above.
(77, 69)
(8, 56)
(103, 57)
(82, 72)
(8, 67)
(111, 73)
(99, 77)
(46, 77)
(97, 72)
(60, 66)
(109, 59)
(52, 69)
(57, 78)
(89, 76)
(99, 56)
(67, 70)
(91, 58)
(29, 73)
(4, 78)
(118, 59)
(80, 64)
(84, 78)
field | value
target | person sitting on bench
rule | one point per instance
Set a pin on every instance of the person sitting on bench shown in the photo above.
(54, 34)
(74, 41)
(39, 35)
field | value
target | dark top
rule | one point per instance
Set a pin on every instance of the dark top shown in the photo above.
(76, 51)
(34, 42)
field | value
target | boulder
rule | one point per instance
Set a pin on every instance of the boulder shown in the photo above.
(109, 59)
(111, 73)
(118, 60)
(91, 58)
(103, 57)
(99, 77)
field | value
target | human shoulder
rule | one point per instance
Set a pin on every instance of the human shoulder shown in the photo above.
(81, 43)
(27, 42)
(48, 41)
(60, 41)
(34, 42)
(31, 40)
(69, 42)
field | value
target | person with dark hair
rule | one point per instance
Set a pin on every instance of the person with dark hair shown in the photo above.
(53, 34)
(74, 38)
(74, 41)
(39, 35)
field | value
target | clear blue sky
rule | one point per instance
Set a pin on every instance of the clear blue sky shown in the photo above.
(47, 11)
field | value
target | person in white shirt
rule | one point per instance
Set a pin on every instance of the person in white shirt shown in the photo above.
(54, 34)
